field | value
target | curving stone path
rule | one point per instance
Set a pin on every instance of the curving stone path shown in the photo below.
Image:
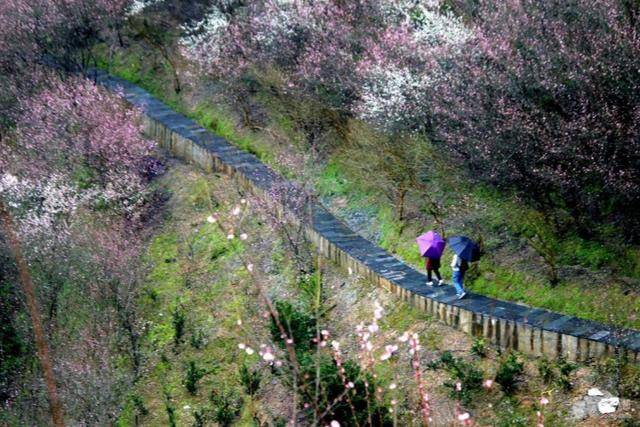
(532, 331)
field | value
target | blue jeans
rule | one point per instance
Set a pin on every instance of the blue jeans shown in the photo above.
(458, 277)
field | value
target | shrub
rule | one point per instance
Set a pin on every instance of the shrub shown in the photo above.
(198, 339)
(200, 417)
(545, 369)
(300, 326)
(540, 234)
(509, 373)
(226, 407)
(178, 320)
(192, 376)
(250, 380)
(171, 410)
(362, 396)
(138, 404)
(629, 421)
(479, 347)
(558, 372)
(620, 374)
(466, 378)
(565, 369)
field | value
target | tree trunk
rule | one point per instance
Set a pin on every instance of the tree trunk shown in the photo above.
(42, 347)
(401, 206)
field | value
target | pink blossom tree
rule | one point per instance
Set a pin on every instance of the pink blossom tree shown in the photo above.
(399, 67)
(44, 34)
(314, 45)
(545, 99)
(73, 181)
(85, 136)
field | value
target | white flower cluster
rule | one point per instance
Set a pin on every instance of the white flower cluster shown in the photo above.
(138, 6)
(393, 95)
(431, 25)
(201, 42)
(280, 20)
(40, 207)
(9, 187)
(433, 28)
(45, 208)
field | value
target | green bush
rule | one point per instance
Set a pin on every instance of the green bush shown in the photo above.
(138, 404)
(192, 376)
(509, 373)
(621, 375)
(466, 378)
(280, 422)
(171, 410)
(589, 254)
(479, 347)
(332, 387)
(200, 417)
(250, 380)
(629, 421)
(178, 320)
(226, 407)
(558, 372)
(298, 325)
(565, 369)
(333, 182)
(540, 234)
(546, 371)
(198, 339)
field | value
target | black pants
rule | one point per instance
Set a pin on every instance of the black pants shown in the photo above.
(435, 270)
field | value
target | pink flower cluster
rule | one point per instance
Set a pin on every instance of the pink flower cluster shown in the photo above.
(78, 148)
(89, 138)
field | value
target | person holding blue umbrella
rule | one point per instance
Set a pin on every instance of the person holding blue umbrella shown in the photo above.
(465, 251)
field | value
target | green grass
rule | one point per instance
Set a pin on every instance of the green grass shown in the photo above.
(566, 298)
(332, 182)
(192, 266)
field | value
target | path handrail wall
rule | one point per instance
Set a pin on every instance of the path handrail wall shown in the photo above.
(533, 331)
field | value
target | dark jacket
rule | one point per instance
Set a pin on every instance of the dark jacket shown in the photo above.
(432, 263)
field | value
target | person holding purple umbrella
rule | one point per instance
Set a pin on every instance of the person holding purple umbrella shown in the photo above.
(433, 266)
(431, 246)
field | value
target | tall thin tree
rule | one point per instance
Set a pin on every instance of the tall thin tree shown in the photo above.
(28, 288)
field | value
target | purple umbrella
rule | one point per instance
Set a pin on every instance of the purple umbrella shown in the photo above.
(431, 244)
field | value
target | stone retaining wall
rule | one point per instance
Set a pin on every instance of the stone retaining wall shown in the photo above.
(532, 331)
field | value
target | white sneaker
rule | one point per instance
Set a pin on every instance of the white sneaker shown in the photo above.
(462, 295)
(430, 283)
(441, 282)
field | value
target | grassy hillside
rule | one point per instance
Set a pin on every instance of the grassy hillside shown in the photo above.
(194, 372)
(522, 250)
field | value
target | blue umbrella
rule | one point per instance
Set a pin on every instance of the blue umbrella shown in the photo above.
(464, 247)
